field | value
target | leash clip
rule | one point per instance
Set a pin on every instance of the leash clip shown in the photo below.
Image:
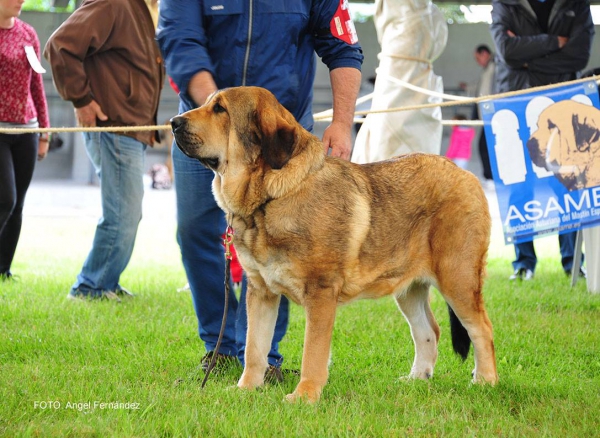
(227, 241)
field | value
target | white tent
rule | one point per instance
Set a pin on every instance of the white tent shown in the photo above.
(412, 34)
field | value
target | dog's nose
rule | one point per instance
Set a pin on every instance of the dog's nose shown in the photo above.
(177, 123)
(533, 146)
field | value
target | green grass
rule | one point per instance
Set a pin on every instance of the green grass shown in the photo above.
(146, 351)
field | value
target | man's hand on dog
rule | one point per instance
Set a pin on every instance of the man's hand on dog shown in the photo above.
(339, 138)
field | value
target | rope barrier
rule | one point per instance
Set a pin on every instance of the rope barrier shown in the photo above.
(462, 122)
(326, 115)
(473, 100)
(87, 129)
(329, 113)
(419, 89)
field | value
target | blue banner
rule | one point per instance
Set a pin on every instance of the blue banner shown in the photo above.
(545, 157)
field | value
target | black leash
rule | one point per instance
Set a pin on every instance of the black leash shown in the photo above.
(227, 240)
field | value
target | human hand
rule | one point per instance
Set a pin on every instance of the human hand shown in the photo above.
(201, 86)
(43, 147)
(86, 115)
(562, 41)
(338, 137)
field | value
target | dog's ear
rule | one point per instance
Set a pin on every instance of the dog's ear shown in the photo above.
(277, 137)
(586, 134)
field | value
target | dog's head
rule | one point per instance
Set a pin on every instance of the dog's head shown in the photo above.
(567, 142)
(243, 124)
(249, 140)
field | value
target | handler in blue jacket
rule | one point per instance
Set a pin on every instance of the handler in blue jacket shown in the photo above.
(214, 44)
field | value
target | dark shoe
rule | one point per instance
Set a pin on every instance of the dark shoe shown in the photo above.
(273, 375)
(276, 374)
(7, 276)
(79, 295)
(222, 362)
(121, 292)
(582, 273)
(522, 274)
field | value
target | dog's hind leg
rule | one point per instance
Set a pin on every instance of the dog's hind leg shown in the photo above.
(466, 302)
(262, 307)
(320, 316)
(414, 304)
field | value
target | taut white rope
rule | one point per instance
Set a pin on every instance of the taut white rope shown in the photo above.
(326, 115)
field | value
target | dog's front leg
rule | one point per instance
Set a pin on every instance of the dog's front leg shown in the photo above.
(320, 316)
(262, 307)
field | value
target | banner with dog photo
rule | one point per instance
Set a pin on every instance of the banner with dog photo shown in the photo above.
(545, 156)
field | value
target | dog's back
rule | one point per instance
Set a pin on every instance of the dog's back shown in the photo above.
(404, 219)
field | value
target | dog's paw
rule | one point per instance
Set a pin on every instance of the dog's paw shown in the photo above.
(249, 381)
(418, 375)
(294, 397)
(480, 379)
(304, 392)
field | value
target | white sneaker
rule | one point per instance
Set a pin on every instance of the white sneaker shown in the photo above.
(522, 274)
(489, 185)
(185, 288)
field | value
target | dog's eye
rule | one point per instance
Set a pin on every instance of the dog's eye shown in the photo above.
(217, 108)
(551, 125)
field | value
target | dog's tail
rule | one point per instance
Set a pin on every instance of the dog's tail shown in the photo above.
(461, 343)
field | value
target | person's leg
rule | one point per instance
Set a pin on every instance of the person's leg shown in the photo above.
(200, 224)
(567, 250)
(119, 163)
(8, 190)
(18, 154)
(526, 259)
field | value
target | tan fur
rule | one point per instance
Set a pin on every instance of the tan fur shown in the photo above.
(325, 232)
(567, 142)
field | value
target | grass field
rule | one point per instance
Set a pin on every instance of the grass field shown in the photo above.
(77, 369)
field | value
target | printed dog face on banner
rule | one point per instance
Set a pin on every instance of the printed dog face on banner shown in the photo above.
(567, 143)
(544, 149)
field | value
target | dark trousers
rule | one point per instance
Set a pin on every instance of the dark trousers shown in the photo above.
(526, 257)
(18, 154)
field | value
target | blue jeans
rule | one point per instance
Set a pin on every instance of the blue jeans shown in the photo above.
(119, 164)
(200, 224)
(527, 259)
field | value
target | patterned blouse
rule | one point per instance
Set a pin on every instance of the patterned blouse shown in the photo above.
(22, 96)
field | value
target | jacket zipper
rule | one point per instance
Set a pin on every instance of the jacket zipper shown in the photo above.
(247, 57)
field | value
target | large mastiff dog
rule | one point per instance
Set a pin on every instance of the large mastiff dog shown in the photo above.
(326, 232)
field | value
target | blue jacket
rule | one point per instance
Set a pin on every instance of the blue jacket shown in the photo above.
(546, 64)
(267, 43)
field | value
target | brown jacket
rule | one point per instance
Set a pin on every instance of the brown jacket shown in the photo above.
(106, 51)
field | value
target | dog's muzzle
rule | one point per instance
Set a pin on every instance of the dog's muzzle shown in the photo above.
(190, 144)
(179, 128)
